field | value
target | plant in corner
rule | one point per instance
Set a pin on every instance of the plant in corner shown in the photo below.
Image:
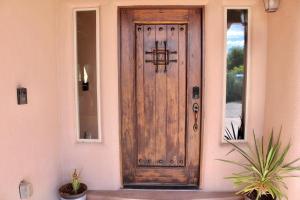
(264, 169)
(74, 190)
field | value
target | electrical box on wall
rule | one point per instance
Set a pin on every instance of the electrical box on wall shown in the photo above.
(25, 189)
(22, 95)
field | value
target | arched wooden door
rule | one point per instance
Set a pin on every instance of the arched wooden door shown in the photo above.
(160, 82)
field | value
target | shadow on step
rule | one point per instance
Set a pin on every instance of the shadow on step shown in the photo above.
(161, 195)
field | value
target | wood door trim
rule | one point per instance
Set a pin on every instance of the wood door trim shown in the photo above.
(125, 103)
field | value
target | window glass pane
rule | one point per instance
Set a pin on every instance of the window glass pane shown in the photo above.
(236, 74)
(86, 29)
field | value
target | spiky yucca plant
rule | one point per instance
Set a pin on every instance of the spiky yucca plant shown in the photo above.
(75, 181)
(264, 169)
(73, 190)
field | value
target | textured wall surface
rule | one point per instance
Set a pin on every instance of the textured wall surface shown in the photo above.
(38, 140)
(29, 133)
(100, 163)
(283, 83)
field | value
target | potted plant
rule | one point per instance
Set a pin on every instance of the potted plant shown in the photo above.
(74, 190)
(264, 169)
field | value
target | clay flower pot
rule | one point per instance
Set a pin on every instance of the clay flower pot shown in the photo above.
(66, 192)
(262, 198)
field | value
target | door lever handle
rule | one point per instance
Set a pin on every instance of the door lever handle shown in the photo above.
(196, 110)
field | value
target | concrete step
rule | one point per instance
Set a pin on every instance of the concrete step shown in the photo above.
(161, 195)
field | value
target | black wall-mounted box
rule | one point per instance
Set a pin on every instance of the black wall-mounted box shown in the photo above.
(22, 96)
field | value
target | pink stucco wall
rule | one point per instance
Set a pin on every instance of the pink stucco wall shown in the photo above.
(100, 163)
(283, 83)
(38, 140)
(29, 133)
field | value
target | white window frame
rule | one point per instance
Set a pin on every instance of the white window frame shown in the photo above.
(247, 72)
(77, 128)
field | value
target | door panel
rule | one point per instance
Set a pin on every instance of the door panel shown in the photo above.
(172, 98)
(161, 104)
(160, 98)
(160, 65)
(182, 106)
(146, 89)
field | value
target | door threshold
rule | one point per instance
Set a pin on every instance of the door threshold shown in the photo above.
(161, 187)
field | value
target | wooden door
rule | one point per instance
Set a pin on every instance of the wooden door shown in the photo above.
(160, 77)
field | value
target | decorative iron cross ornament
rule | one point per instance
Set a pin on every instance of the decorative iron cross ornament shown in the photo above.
(161, 56)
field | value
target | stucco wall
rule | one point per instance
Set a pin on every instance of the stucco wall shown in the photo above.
(38, 140)
(100, 163)
(283, 83)
(29, 133)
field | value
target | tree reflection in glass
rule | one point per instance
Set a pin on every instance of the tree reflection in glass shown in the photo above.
(237, 28)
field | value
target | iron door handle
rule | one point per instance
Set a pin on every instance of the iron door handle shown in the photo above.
(196, 109)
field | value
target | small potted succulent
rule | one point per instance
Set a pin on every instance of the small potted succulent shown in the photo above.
(74, 190)
(264, 169)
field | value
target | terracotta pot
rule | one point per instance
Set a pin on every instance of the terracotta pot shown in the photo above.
(247, 198)
(66, 192)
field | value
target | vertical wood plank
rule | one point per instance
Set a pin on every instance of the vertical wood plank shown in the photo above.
(161, 103)
(194, 79)
(172, 95)
(148, 138)
(139, 31)
(182, 93)
(128, 138)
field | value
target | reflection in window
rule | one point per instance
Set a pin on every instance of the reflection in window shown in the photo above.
(87, 91)
(237, 31)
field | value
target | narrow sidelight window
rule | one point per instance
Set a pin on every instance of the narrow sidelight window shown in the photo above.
(87, 76)
(236, 74)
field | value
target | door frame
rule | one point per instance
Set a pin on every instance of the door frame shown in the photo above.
(201, 128)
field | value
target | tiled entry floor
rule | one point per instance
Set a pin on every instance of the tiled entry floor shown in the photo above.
(160, 195)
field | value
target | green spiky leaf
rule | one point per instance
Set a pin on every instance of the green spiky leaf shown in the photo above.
(264, 169)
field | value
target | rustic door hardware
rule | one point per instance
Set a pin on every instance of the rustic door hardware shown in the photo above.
(196, 110)
(196, 92)
(160, 56)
